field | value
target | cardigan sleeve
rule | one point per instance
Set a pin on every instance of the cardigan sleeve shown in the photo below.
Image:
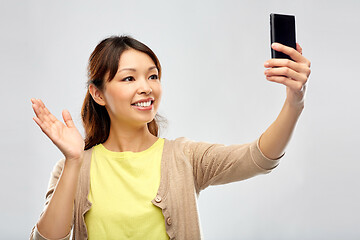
(215, 164)
(55, 175)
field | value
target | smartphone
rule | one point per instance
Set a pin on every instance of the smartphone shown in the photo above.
(282, 30)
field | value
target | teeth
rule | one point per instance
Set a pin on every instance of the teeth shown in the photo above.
(143, 104)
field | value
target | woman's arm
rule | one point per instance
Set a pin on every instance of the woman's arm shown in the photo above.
(294, 75)
(56, 220)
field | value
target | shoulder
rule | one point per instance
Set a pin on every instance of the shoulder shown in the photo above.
(177, 141)
(177, 144)
(176, 148)
(183, 145)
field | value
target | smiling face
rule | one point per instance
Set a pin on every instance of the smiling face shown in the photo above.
(133, 96)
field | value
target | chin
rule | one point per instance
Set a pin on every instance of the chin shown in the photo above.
(144, 121)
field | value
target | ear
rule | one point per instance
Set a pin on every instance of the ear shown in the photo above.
(97, 95)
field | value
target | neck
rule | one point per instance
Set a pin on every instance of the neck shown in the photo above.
(135, 139)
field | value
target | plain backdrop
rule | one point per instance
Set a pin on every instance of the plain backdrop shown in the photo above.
(212, 54)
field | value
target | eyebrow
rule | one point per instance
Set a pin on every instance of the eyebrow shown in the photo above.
(134, 70)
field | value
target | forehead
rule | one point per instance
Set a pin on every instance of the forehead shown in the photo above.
(135, 59)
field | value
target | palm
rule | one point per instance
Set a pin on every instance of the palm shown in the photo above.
(65, 136)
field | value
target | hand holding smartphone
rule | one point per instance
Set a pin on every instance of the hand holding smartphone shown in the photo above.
(282, 30)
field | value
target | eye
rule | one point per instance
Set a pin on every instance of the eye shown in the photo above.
(128, 79)
(154, 77)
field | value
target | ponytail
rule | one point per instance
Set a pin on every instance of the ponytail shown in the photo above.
(96, 122)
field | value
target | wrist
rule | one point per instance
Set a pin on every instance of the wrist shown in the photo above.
(296, 108)
(74, 162)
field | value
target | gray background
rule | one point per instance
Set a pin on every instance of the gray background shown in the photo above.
(212, 53)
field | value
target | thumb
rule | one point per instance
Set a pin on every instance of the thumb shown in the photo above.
(67, 119)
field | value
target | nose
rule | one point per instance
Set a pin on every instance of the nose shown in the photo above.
(144, 87)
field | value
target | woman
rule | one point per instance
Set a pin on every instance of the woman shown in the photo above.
(128, 182)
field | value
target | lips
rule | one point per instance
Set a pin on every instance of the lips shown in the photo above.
(144, 104)
(143, 101)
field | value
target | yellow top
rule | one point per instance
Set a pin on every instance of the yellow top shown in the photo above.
(122, 185)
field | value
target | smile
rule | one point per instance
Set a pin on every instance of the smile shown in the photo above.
(144, 104)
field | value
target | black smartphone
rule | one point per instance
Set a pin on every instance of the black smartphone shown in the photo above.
(282, 30)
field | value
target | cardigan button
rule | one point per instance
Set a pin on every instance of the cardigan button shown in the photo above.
(158, 199)
(168, 221)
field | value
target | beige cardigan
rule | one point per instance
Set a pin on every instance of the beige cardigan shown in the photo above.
(187, 167)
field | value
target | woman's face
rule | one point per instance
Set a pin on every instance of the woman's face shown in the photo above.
(133, 95)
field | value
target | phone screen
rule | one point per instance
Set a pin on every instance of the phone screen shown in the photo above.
(282, 30)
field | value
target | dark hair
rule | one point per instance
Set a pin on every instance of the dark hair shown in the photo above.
(105, 60)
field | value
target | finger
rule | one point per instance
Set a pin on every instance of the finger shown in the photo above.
(44, 113)
(43, 108)
(45, 116)
(298, 67)
(40, 119)
(295, 55)
(278, 62)
(37, 110)
(47, 130)
(51, 117)
(41, 102)
(40, 112)
(67, 119)
(294, 85)
(43, 126)
(287, 72)
(37, 106)
(299, 48)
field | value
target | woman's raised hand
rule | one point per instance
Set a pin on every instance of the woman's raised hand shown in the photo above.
(292, 73)
(65, 136)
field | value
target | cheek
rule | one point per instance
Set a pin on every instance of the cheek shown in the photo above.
(157, 90)
(158, 94)
(116, 97)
